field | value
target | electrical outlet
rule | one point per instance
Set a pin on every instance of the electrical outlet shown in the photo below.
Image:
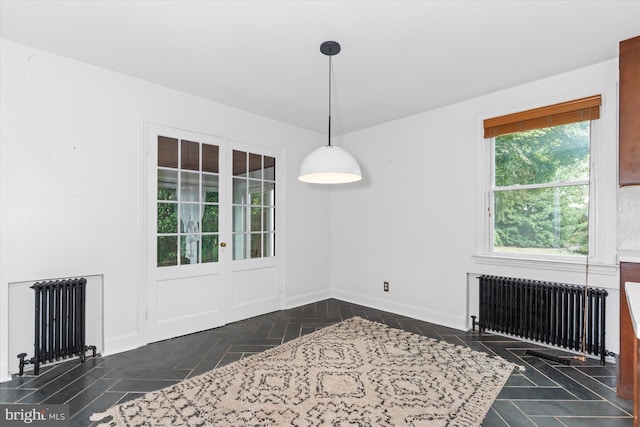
(386, 286)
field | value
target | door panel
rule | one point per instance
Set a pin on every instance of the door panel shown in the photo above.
(254, 211)
(178, 312)
(186, 288)
(253, 292)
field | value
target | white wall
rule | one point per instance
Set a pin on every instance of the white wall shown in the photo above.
(416, 220)
(71, 184)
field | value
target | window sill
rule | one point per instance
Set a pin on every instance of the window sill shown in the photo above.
(563, 264)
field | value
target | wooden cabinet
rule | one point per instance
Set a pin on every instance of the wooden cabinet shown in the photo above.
(629, 272)
(636, 385)
(629, 125)
(632, 290)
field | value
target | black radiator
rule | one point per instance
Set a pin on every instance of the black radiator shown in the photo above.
(59, 322)
(547, 312)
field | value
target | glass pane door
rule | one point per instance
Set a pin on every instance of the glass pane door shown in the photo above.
(254, 208)
(187, 202)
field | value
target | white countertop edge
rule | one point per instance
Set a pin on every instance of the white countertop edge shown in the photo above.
(627, 258)
(633, 299)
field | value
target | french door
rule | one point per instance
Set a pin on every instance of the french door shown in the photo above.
(212, 256)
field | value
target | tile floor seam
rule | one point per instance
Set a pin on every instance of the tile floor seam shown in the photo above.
(88, 404)
(581, 373)
(83, 389)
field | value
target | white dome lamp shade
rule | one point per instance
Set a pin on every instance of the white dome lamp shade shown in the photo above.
(329, 164)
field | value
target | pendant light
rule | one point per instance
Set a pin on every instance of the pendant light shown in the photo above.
(329, 164)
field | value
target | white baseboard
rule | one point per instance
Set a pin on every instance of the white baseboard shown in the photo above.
(439, 318)
(308, 298)
(125, 342)
(4, 372)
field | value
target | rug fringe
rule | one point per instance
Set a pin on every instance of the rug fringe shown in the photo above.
(100, 416)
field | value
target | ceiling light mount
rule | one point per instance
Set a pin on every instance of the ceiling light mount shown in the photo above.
(330, 48)
(329, 164)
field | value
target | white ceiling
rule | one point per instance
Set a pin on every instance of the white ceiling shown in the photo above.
(398, 58)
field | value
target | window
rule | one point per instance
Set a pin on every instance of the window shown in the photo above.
(188, 205)
(254, 208)
(539, 196)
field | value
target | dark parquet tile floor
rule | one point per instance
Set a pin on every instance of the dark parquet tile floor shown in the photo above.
(545, 394)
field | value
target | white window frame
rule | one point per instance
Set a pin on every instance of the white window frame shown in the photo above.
(602, 199)
(180, 204)
(491, 205)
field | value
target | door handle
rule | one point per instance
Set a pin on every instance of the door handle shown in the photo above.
(223, 244)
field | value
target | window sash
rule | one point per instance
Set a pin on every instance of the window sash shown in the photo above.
(493, 190)
(541, 185)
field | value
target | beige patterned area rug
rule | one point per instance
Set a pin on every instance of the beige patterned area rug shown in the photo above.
(354, 373)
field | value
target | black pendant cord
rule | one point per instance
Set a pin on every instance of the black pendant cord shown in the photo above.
(329, 132)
